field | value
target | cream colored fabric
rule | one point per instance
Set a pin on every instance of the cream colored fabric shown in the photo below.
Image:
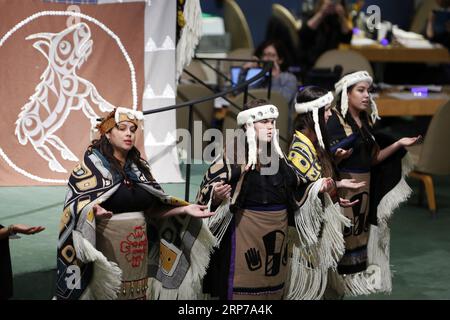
(123, 240)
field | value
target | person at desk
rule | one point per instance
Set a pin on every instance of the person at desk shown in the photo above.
(283, 81)
(325, 30)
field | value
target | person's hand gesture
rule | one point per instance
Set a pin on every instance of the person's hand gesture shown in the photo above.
(327, 185)
(249, 64)
(351, 184)
(25, 229)
(198, 211)
(345, 203)
(221, 192)
(407, 142)
(276, 70)
(102, 213)
(342, 154)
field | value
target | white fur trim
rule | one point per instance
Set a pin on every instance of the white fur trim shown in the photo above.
(317, 128)
(249, 117)
(268, 111)
(344, 100)
(314, 104)
(374, 115)
(252, 147)
(275, 141)
(131, 114)
(348, 81)
(351, 79)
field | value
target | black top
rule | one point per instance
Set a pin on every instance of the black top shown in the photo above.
(6, 279)
(264, 189)
(129, 198)
(257, 190)
(361, 141)
(327, 36)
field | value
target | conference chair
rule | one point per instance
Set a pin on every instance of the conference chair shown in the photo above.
(433, 156)
(351, 61)
(236, 24)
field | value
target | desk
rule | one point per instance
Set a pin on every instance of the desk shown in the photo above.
(378, 53)
(393, 107)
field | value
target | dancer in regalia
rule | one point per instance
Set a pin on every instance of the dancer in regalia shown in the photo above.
(382, 164)
(252, 194)
(121, 237)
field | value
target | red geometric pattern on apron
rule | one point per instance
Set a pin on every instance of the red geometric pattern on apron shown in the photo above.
(135, 246)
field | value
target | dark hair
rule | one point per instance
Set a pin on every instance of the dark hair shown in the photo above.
(365, 120)
(306, 121)
(281, 51)
(106, 149)
(341, 2)
(255, 103)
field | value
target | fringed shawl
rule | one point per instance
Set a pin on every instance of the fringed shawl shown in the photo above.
(388, 189)
(319, 243)
(307, 218)
(179, 246)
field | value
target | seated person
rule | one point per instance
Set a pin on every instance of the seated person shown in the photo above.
(283, 81)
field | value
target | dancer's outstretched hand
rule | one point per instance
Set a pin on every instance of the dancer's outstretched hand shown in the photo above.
(102, 213)
(198, 211)
(345, 203)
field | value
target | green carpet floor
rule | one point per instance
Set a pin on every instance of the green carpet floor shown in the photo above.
(420, 245)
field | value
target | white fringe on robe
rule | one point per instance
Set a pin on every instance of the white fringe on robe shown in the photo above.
(316, 247)
(377, 277)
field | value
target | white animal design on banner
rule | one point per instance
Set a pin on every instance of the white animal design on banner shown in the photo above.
(60, 91)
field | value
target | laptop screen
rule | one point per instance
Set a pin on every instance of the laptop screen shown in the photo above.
(252, 72)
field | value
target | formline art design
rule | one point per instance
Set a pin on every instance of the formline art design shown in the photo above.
(39, 120)
(30, 123)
